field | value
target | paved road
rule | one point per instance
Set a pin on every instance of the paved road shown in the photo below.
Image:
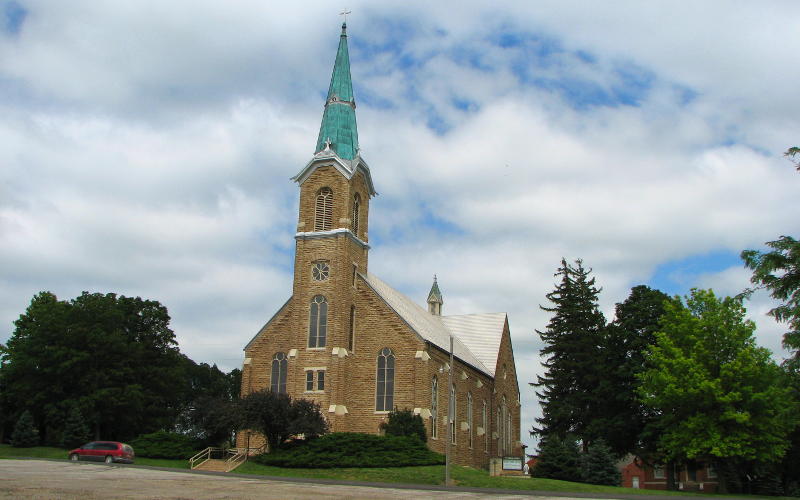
(43, 479)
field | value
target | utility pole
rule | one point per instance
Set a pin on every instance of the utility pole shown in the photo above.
(450, 416)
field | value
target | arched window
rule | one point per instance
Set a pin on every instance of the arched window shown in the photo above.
(323, 216)
(469, 418)
(384, 395)
(434, 407)
(318, 322)
(278, 379)
(356, 212)
(452, 415)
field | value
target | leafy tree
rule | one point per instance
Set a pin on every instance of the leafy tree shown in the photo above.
(209, 411)
(573, 338)
(779, 272)
(307, 419)
(112, 356)
(715, 394)
(405, 423)
(277, 417)
(211, 420)
(598, 465)
(559, 458)
(75, 430)
(621, 418)
(25, 434)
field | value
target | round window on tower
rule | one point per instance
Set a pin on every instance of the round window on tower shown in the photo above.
(320, 271)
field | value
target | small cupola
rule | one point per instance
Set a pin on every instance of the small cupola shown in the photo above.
(435, 299)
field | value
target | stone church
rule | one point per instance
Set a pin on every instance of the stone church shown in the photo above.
(359, 348)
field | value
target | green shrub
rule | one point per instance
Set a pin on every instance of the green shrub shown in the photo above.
(348, 449)
(405, 423)
(25, 434)
(164, 444)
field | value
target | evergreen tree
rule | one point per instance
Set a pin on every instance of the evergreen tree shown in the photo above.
(76, 432)
(25, 434)
(559, 458)
(572, 356)
(621, 417)
(598, 465)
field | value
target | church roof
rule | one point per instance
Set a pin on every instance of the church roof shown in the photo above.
(476, 336)
(482, 333)
(338, 129)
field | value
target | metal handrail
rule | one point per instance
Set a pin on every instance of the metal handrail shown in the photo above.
(205, 454)
(237, 457)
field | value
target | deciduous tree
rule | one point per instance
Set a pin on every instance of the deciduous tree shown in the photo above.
(278, 417)
(716, 395)
(114, 357)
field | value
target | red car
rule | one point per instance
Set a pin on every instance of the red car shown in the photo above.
(103, 451)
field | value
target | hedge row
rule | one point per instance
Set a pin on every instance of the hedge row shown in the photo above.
(345, 449)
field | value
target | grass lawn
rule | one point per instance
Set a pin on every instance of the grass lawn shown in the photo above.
(434, 474)
(429, 474)
(8, 451)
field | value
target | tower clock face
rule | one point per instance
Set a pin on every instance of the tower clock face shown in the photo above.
(320, 271)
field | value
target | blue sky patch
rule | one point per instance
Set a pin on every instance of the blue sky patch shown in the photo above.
(14, 16)
(677, 277)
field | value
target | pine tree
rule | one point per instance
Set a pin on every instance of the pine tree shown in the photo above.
(558, 458)
(598, 465)
(76, 432)
(572, 356)
(25, 434)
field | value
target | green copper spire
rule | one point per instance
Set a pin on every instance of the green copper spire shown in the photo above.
(339, 120)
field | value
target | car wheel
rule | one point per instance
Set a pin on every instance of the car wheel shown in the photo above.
(109, 459)
(74, 457)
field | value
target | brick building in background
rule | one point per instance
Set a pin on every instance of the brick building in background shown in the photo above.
(348, 341)
(692, 476)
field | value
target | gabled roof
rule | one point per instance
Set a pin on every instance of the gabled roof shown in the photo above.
(476, 337)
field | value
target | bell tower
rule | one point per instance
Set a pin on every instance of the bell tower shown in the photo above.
(333, 219)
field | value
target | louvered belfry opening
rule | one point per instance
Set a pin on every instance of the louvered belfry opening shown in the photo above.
(323, 218)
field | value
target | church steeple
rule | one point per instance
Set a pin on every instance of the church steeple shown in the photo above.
(435, 299)
(338, 129)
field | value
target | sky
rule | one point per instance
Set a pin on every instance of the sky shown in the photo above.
(146, 149)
